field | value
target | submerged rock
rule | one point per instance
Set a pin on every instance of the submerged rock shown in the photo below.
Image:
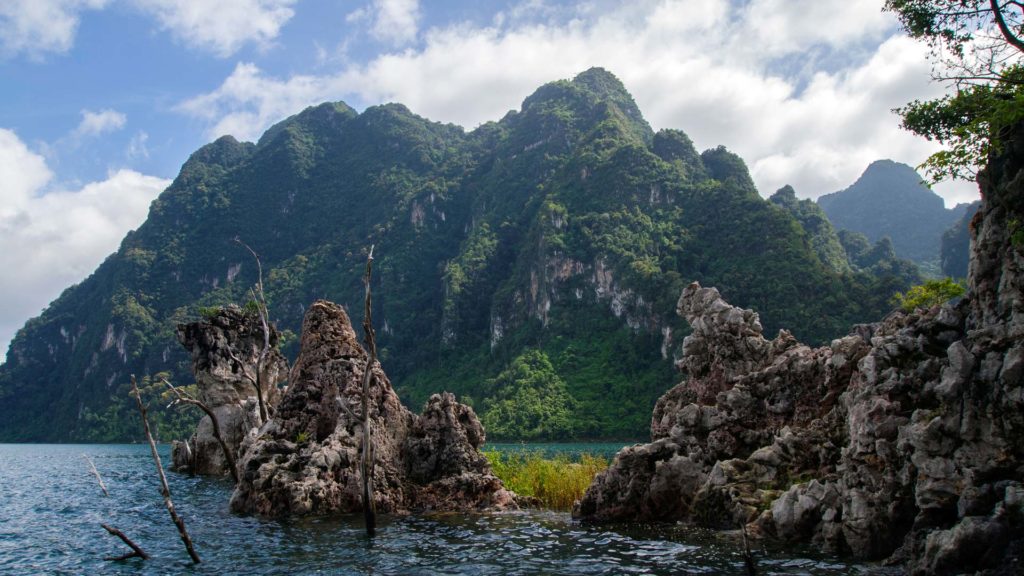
(903, 440)
(221, 383)
(305, 460)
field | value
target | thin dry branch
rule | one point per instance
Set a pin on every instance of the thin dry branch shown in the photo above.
(191, 456)
(344, 406)
(254, 380)
(260, 299)
(241, 366)
(185, 399)
(97, 474)
(165, 490)
(137, 551)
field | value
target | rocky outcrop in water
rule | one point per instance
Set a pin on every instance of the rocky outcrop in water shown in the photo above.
(221, 383)
(903, 440)
(305, 460)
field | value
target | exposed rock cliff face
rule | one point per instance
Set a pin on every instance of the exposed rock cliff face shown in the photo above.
(305, 459)
(222, 385)
(903, 440)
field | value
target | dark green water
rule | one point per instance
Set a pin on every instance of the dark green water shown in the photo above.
(51, 509)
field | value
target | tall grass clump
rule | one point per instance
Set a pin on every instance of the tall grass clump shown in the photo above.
(555, 482)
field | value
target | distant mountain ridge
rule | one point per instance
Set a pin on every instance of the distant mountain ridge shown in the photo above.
(562, 234)
(891, 199)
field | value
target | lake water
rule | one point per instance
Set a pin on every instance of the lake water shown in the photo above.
(51, 508)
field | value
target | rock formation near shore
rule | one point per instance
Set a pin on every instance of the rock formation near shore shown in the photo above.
(221, 384)
(903, 440)
(305, 460)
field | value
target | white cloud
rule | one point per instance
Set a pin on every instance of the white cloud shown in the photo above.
(137, 146)
(50, 241)
(96, 123)
(707, 67)
(248, 102)
(37, 27)
(224, 26)
(395, 22)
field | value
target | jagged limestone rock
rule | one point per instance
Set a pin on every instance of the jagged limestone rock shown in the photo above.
(222, 385)
(902, 440)
(305, 460)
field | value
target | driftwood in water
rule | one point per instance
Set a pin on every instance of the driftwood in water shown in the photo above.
(97, 474)
(136, 550)
(186, 399)
(165, 491)
(366, 464)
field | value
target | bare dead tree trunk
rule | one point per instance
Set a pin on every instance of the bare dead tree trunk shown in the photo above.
(366, 465)
(748, 558)
(261, 309)
(228, 457)
(136, 550)
(165, 490)
(97, 474)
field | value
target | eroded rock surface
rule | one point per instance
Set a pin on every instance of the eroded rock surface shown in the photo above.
(903, 440)
(214, 344)
(305, 460)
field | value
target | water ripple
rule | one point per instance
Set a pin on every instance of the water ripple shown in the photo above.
(51, 509)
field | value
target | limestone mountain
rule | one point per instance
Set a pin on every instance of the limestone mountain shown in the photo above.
(891, 199)
(564, 232)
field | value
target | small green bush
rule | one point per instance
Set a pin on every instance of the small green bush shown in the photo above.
(209, 312)
(931, 293)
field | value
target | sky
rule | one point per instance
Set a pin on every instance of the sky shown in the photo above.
(102, 101)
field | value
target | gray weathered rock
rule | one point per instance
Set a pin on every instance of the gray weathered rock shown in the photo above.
(904, 439)
(304, 461)
(223, 387)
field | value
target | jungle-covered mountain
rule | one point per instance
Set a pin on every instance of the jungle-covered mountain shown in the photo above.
(531, 265)
(891, 199)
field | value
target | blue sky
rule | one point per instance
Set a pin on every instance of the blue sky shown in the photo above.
(101, 101)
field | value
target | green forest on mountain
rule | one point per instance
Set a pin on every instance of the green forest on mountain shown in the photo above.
(531, 265)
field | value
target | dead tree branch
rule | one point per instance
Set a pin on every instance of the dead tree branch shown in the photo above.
(191, 458)
(165, 490)
(136, 550)
(261, 310)
(97, 474)
(366, 465)
(186, 399)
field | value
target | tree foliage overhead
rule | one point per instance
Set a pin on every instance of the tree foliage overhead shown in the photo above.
(977, 45)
